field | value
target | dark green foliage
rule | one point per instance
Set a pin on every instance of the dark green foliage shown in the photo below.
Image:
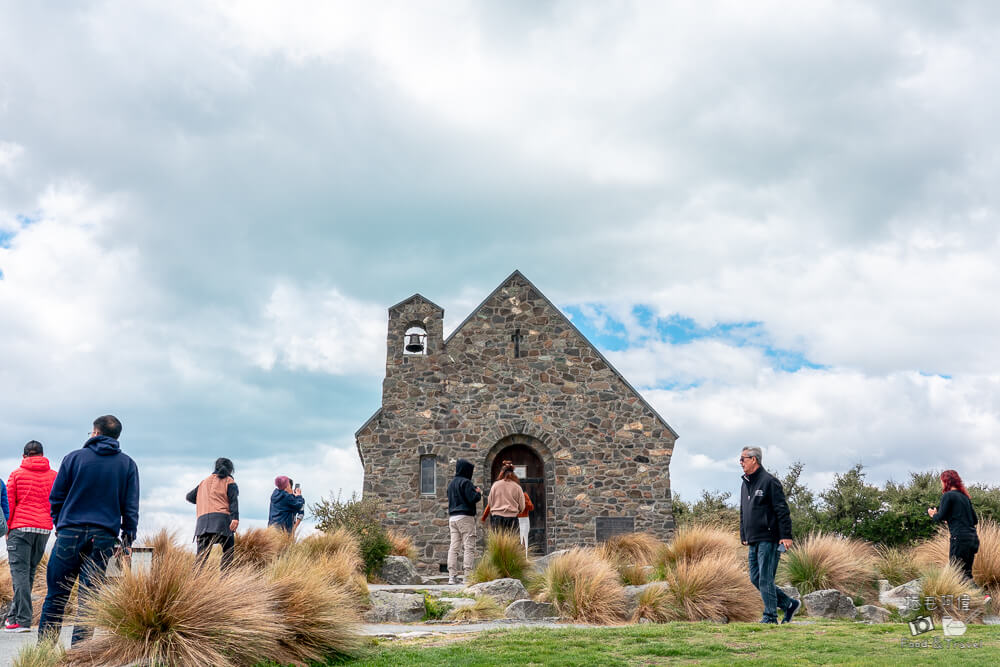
(434, 609)
(713, 508)
(361, 516)
(801, 502)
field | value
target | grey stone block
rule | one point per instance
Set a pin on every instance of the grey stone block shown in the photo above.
(829, 603)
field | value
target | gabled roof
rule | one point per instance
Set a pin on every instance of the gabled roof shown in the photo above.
(573, 327)
(418, 295)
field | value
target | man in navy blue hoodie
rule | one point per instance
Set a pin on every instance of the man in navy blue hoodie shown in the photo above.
(94, 496)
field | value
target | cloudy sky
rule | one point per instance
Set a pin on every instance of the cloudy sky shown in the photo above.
(779, 220)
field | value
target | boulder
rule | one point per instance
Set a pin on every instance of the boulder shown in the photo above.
(399, 570)
(504, 591)
(791, 591)
(389, 607)
(897, 597)
(632, 596)
(869, 613)
(829, 603)
(529, 610)
(541, 563)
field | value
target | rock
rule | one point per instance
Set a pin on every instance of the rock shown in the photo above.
(991, 620)
(869, 613)
(632, 596)
(829, 603)
(791, 591)
(897, 596)
(541, 563)
(883, 586)
(458, 603)
(529, 610)
(504, 591)
(399, 570)
(389, 607)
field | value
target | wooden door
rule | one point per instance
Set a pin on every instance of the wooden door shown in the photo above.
(533, 483)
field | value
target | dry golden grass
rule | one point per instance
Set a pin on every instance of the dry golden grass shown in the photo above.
(339, 544)
(46, 653)
(320, 613)
(630, 554)
(503, 557)
(895, 565)
(932, 551)
(6, 583)
(940, 582)
(986, 565)
(259, 546)
(713, 587)
(485, 608)
(181, 614)
(583, 587)
(162, 542)
(694, 542)
(828, 561)
(401, 544)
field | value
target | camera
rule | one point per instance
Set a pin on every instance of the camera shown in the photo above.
(297, 487)
(920, 625)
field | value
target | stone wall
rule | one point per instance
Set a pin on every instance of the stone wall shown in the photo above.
(606, 452)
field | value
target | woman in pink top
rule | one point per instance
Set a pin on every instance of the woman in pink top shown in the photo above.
(506, 500)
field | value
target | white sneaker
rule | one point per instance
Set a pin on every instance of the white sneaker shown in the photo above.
(451, 581)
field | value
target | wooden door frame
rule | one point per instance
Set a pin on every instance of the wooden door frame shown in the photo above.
(548, 465)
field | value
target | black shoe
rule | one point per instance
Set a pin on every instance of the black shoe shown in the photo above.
(768, 621)
(790, 612)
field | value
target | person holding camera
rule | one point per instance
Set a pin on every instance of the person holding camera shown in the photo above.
(94, 496)
(286, 503)
(217, 502)
(766, 528)
(956, 510)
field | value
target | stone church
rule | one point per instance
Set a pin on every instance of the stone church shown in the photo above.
(515, 381)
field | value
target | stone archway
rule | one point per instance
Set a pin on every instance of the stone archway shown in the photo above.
(537, 480)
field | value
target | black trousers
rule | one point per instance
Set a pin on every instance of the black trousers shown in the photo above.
(508, 523)
(963, 550)
(205, 542)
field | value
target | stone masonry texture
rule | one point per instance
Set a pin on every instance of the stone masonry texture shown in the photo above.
(605, 451)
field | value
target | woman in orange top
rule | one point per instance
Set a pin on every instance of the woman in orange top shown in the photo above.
(524, 523)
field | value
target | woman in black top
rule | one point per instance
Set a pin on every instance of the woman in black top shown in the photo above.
(956, 510)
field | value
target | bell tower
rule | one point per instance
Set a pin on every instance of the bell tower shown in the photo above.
(415, 335)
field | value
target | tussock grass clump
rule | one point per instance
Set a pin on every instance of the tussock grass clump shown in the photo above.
(583, 587)
(985, 567)
(319, 614)
(401, 544)
(338, 544)
(711, 588)
(828, 561)
(895, 565)
(485, 608)
(933, 551)
(259, 546)
(162, 541)
(503, 557)
(180, 614)
(694, 542)
(940, 582)
(46, 653)
(630, 554)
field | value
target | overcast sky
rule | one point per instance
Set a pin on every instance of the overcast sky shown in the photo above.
(779, 220)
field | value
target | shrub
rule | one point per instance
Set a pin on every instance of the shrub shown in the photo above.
(180, 614)
(319, 614)
(485, 608)
(46, 653)
(582, 586)
(362, 517)
(434, 609)
(941, 582)
(712, 508)
(401, 544)
(711, 588)
(503, 557)
(895, 565)
(828, 561)
(694, 542)
(259, 546)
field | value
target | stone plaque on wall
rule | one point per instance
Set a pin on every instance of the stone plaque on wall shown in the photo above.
(609, 526)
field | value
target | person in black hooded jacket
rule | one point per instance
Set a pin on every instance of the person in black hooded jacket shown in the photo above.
(462, 498)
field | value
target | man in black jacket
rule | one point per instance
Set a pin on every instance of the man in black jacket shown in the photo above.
(462, 498)
(764, 523)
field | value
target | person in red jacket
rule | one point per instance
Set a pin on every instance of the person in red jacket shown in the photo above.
(29, 527)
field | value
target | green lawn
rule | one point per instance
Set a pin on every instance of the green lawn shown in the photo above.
(822, 642)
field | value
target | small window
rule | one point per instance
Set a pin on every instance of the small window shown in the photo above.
(428, 477)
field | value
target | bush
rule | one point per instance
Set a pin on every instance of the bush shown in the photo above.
(711, 588)
(180, 614)
(485, 608)
(583, 587)
(434, 609)
(949, 582)
(260, 546)
(319, 614)
(895, 565)
(401, 544)
(363, 518)
(694, 542)
(503, 557)
(712, 508)
(46, 653)
(826, 561)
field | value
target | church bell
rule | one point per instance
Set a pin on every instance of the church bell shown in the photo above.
(416, 345)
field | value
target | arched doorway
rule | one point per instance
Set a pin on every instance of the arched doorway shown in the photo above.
(531, 471)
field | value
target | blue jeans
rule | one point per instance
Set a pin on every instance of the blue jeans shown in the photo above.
(81, 551)
(763, 562)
